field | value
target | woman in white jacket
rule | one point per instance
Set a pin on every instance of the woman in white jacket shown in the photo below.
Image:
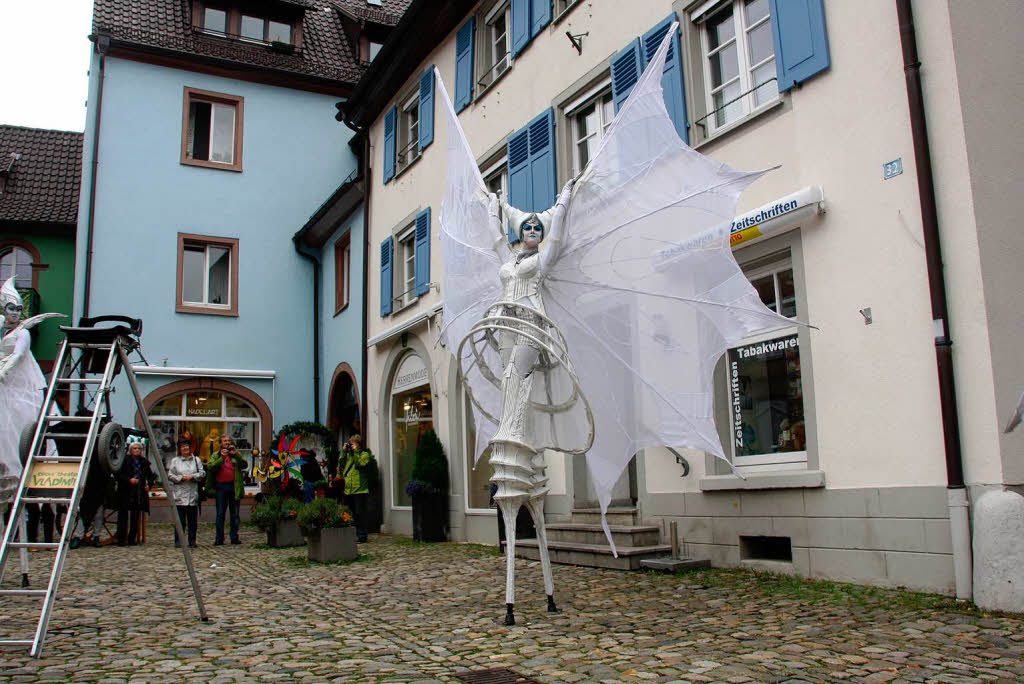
(186, 474)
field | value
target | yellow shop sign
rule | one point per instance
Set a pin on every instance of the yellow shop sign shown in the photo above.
(53, 476)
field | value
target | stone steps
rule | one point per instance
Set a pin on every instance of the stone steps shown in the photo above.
(617, 515)
(622, 535)
(591, 555)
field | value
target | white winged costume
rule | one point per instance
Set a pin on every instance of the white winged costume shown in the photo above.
(644, 292)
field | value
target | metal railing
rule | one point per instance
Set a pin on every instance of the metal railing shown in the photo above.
(500, 66)
(701, 120)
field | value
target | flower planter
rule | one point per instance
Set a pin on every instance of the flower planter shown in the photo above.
(429, 518)
(287, 533)
(332, 544)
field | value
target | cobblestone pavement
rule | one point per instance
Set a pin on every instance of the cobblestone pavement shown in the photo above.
(420, 613)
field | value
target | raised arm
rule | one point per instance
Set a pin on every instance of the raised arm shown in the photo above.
(553, 234)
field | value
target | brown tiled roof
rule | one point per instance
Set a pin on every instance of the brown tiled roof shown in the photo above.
(44, 181)
(388, 13)
(167, 24)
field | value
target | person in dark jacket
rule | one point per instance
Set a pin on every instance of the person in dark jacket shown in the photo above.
(311, 474)
(133, 480)
(90, 510)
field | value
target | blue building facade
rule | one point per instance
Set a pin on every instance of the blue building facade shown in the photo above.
(208, 144)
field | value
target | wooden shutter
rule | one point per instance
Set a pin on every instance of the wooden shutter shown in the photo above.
(427, 107)
(464, 41)
(520, 187)
(672, 75)
(520, 30)
(540, 16)
(387, 251)
(422, 282)
(389, 143)
(801, 41)
(627, 66)
(543, 176)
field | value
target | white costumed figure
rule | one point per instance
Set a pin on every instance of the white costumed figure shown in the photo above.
(21, 386)
(600, 332)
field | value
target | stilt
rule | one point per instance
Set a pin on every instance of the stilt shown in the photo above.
(536, 508)
(509, 510)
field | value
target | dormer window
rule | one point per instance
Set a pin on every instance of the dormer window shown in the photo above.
(245, 24)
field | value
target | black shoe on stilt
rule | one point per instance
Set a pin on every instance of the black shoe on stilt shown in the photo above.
(510, 618)
(551, 604)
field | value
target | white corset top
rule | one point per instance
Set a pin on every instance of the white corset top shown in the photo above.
(522, 280)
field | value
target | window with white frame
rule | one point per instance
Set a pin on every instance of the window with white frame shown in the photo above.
(739, 60)
(589, 117)
(496, 177)
(495, 58)
(207, 275)
(16, 263)
(409, 131)
(405, 267)
(765, 390)
(563, 6)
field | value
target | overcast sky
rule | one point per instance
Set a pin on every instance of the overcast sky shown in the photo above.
(44, 60)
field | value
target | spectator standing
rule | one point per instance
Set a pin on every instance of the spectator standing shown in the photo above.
(357, 487)
(225, 473)
(133, 480)
(90, 511)
(185, 473)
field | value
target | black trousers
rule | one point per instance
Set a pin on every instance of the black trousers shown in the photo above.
(127, 518)
(189, 517)
(35, 512)
(360, 505)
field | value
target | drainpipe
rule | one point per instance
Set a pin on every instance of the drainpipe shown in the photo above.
(310, 254)
(367, 180)
(102, 45)
(959, 518)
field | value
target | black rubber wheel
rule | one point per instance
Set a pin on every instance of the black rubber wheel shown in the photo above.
(25, 443)
(110, 447)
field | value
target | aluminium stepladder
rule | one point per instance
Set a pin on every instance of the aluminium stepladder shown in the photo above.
(99, 346)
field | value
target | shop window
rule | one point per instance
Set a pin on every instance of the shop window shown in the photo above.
(16, 262)
(767, 427)
(206, 415)
(207, 275)
(211, 134)
(411, 416)
(478, 481)
(738, 57)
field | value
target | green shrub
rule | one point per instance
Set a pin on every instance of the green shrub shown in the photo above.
(429, 467)
(266, 515)
(321, 514)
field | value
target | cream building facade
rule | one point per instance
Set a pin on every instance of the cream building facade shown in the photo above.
(837, 428)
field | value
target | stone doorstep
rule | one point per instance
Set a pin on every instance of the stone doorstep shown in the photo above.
(591, 555)
(674, 564)
(617, 515)
(587, 533)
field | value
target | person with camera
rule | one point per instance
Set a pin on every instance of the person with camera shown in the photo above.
(357, 461)
(185, 473)
(225, 473)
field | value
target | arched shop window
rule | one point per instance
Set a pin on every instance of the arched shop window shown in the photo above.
(411, 416)
(207, 414)
(16, 262)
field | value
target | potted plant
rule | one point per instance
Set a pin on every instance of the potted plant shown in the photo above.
(328, 525)
(277, 517)
(428, 488)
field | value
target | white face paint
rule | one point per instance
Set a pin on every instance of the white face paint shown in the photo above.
(12, 315)
(532, 233)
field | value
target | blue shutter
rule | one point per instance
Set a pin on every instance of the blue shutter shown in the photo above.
(520, 25)
(464, 40)
(427, 107)
(801, 42)
(422, 283)
(387, 251)
(389, 143)
(540, 15)
(520, 188)
(672, 75)
(542, 161)
(626, 69)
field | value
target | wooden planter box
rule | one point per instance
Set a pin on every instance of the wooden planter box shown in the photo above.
(287, 533)
(332, 544)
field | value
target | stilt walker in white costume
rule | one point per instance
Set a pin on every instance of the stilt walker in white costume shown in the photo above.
(21, 394)
(599, 332)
